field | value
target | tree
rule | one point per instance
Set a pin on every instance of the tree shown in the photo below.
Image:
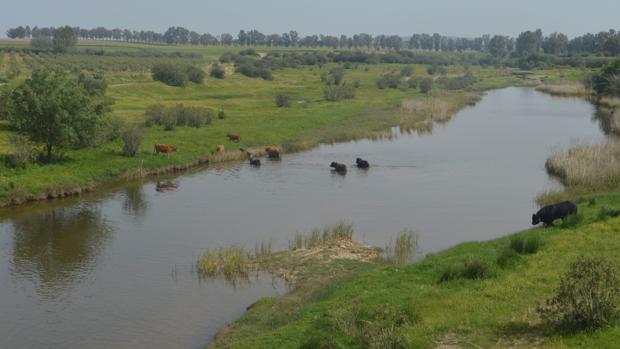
(529, 42)
(53, 109)
(498, 46)
(555, 44)
(64, 38)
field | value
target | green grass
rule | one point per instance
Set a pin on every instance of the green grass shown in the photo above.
(496, 311)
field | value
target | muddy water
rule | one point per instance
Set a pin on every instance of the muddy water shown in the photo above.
(114, 269)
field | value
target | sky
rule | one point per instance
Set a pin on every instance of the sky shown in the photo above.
(466, 18)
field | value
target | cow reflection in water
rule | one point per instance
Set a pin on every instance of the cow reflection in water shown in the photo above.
(58, 246)
(163, 186)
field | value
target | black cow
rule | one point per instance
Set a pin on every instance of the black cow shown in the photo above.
(255, 162)
(338, 167)
(361, 163)
(550, 213)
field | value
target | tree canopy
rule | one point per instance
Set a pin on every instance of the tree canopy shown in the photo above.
(55, 110)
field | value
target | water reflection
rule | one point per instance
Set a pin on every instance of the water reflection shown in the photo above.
(167, 185)
(58, 245)
(134, 201)
(608, 120)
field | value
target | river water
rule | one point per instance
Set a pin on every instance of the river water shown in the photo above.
(115, 268)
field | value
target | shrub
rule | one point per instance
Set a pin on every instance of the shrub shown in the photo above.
(464, 82)
(169, 74)
(338, 92)
(112, 129)
(265, 74)
(571, 220)
(587, 298)
(472, 269)
(195, 74)
(412, 83)
(154, 114)
(178, 115)
(169, 121)
(221, 114)
(604, 213)
(426, 85)
(506, 257)
(524, 245)
(217, 71)
(374, 328)
(282, 101)
(388, 80)
(24, 151)
(132, 139)
(406, 71)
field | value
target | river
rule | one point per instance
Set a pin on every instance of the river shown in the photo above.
(115, 268)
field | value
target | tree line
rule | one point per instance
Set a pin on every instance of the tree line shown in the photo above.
(528, 42)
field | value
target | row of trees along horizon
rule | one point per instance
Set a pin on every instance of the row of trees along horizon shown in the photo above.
(602, 43)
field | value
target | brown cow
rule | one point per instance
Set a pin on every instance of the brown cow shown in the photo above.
(219, 149)
(273, 152)
(162, 148)
(233, 137)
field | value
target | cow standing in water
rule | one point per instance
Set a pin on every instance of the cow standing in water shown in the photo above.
(361, 163)
(273, 152)
(167, 149)
(339, 168)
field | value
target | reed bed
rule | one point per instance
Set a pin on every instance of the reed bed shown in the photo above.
(565, 90)
(595, 166)
(402, 249)
(235, 264)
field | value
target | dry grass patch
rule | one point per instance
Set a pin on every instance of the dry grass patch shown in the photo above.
(594, 166)
(565, 90)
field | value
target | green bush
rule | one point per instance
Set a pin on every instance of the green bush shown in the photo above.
(221, 114)
(426, 85)
(169, 121)
(132, 139)
(588, 297)
(24, 152)
(473, 269)
(380, 327)
(178, 115)
(406, 71)
(507, 256)
(388, 81)
(217, 71)
(195, 74)
(523, 245)
(338, 92)
(282, 101)
(604, 213)
(572, 220)
(169, 74)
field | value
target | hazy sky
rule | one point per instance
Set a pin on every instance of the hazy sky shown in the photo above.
(403, 17)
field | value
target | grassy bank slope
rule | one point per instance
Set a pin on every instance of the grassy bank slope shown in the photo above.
(407, 304)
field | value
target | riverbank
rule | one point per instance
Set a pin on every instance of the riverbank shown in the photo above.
(407, 306)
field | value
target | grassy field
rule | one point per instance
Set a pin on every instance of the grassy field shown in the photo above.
(407, 306)
(250, 112)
